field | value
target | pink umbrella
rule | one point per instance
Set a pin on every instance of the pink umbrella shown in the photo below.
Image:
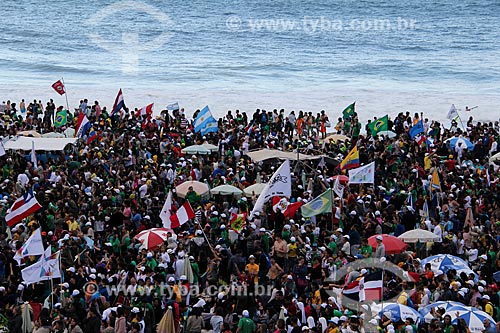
(151, 238)
(342, 179)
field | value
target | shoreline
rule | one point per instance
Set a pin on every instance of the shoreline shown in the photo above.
(369, 102)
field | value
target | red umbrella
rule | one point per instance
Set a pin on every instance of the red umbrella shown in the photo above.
(392, 244)
(151, 238)
(342, 179)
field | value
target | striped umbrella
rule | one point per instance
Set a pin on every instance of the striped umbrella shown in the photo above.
(445, 262)
(401, 312)
(151, 238)
(474, 319)
(426, 310)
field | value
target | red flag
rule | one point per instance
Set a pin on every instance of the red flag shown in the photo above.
(59, 87)
(292, 209)
(182, 215)
(145, 111)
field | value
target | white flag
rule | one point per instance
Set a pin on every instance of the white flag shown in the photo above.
(32, 247)
(31, 274)
(338, 188)
(33, 154)
(166, 211)
(363, 175)
(2, 149)
(453, 113)
(50, 265)
(280, 184)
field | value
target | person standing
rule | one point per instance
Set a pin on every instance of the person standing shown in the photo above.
(245, 325)
(380, 250)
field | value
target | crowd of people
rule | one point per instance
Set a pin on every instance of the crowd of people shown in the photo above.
(109, 189)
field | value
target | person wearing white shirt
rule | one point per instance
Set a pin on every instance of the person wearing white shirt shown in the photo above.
(437, 230)
(472, 254)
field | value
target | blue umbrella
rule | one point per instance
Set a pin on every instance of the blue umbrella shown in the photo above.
(401, 312)
(473, 318)
(445, 262)
(465, 142)
(442, 304)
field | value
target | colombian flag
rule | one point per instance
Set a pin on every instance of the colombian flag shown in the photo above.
(351, 160)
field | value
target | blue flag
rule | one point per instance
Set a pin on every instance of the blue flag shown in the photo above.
(416, 130)
(205, 122)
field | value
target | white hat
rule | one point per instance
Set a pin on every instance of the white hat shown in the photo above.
(388, 315)
(149, 255)
(353, 212)
(480, 288)
(340, 230)
(335, 320)
(199, 232)
(220, 295)
(251, 256)
(171, 279)
(245, 313)
(253, 226)
(292, 239)
(347, 236)
(71, 269)
(135, 310)
(65, 285)
(343, 318)
(377, 213)
(262, 229)
(92, 276)
(364, 271)
(289, 277)
(380, 238)
(183, 278)
(75, 293)
(483, 256)
(486, 297)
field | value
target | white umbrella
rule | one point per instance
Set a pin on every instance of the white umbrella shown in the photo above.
(226, 190)
(418, 235)
(199, 187)
(389, 134)
(254, 189)
(196, 149)
(211, 147)
(53, 135)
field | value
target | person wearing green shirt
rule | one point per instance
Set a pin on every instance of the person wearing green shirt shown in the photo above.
(365, 250)
(196, 270)
(333, 245)
(192, 196)
(246, 325)
(150, 261)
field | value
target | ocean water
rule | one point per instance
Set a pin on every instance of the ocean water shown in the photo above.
(388, 56)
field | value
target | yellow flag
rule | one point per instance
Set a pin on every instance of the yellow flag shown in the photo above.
(435, 183)
(351, 160)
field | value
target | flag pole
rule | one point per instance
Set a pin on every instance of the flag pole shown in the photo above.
(334, 208)
(65, 94)
(461, 122)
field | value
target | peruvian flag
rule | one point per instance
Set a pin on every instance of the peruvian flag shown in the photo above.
(288, 209)
(145, 111)
(182, 215)
(59, 87)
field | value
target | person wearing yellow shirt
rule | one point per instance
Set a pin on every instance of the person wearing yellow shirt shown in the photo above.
(72, 224)
(488, 306)
(253, 269)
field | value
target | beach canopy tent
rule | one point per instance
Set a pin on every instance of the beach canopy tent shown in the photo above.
(41, 144)
(266, 154)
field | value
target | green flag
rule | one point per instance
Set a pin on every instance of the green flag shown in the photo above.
(61, 118)
(348, 111)
(319, 205)
(379, 125)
